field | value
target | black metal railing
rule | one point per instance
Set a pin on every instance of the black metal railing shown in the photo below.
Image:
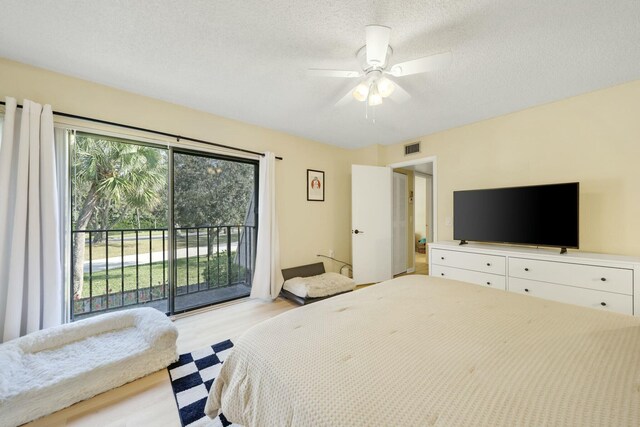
(130, 267)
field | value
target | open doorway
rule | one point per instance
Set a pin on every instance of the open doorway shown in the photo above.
(423, 214)
(414, 214)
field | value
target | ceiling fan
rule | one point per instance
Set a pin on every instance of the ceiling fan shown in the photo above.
(374, 59)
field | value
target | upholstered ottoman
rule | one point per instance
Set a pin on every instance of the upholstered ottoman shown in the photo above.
(51, 369)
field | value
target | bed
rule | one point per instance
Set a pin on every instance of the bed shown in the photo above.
(420, 350)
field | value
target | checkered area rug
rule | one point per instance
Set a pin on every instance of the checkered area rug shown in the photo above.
(191, 379)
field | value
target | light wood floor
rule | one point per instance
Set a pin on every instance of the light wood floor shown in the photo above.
(421, 264)
(149, 401)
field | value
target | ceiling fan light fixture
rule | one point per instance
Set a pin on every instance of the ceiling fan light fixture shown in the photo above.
(379, 77)
(361, 92)
(374, 96)
(385, 87)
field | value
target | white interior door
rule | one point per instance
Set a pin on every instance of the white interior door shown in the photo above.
(371, 230)
(400, 210)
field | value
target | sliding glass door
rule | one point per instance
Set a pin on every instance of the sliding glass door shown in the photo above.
(172, 230)
(214, 228)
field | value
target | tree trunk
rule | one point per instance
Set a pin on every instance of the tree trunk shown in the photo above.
(104, 223)
(101, 211)
(78, 241)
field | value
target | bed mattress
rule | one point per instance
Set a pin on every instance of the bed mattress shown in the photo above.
(421, 350)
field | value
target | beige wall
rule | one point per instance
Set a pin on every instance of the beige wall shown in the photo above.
(592, 138)
(306, 228)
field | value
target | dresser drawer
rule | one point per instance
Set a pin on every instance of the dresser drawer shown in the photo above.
(475, 277)
(606, 279)
(470, 261)
(570, 295)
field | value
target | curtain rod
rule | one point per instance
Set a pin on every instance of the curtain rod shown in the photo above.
(170, 135)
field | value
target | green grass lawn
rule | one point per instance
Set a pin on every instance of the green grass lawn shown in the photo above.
(99, 251)
(152, 275)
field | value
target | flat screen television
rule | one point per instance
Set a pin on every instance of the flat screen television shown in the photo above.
(538, 215)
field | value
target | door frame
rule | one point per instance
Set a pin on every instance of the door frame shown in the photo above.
(434, 191)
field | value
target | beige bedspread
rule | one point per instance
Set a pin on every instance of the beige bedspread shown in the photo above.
(421, 351)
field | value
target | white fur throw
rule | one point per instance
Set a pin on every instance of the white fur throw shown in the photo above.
(51, 369)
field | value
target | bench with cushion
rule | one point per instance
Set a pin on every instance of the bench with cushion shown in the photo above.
(51, 369)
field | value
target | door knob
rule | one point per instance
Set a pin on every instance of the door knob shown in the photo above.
(356, 231)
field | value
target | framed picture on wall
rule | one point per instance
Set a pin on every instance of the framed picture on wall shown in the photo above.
(315, 185)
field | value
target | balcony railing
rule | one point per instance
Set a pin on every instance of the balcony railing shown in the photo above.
(130, 267)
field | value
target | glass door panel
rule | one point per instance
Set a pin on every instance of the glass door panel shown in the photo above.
(119, 225)
(214, 228)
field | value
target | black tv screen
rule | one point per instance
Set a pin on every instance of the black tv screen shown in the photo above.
(540, 215)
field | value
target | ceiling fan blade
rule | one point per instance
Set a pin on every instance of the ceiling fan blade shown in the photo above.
(399, 95)
(347, 98)
(317, 72)
(377, 44)
(422, 65)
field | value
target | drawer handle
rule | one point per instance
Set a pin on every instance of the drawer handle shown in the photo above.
(488, 264)
(441, 257)
(604, 304)
(526, 290)
(442, 274)
(489, 283)
(526, 269)
(604, 279)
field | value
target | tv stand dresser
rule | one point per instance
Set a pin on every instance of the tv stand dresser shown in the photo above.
(600, 281)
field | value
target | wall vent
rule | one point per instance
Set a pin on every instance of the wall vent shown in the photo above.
(412, 148)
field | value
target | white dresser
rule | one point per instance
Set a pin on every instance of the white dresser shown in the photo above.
(593, 280)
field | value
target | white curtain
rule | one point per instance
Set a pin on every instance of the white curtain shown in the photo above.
(31, 284)
(267, 278)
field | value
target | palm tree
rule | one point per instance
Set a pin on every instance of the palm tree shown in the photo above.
(109, 172)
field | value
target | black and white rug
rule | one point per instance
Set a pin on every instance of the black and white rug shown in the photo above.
(191, 379)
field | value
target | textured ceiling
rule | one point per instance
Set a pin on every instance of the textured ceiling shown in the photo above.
(247, 59)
